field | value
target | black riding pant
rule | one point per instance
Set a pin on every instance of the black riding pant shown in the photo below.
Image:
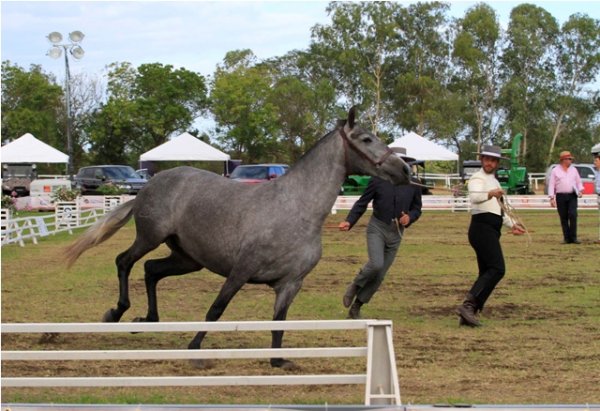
(484, 237)
(566, 205)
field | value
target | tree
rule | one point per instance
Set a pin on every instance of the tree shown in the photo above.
(476, 57)
(353, 53)
(420, 67)
(305, 103)
(240, 103)
(145, 106)
(528, 72)
(32, 103)
(577, 65)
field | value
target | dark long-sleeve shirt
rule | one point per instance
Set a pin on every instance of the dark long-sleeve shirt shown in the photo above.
(389, 201)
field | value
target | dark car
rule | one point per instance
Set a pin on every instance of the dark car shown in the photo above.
(90, 179)
(258, 173)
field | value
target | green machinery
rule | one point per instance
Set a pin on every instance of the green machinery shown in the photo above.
(514, 179)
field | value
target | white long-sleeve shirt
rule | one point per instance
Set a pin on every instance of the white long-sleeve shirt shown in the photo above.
(480, 184)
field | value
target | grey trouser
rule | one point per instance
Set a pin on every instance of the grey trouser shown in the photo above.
(383, 241)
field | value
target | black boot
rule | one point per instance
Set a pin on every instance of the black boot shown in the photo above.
(467, 312)
(354, 312)
(350, 294)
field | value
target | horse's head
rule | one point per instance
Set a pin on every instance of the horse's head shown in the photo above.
(366, 154)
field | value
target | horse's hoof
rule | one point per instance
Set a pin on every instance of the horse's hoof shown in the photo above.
(109, 317)
(285, 365)
(202, 364)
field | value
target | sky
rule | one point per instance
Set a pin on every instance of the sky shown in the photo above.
(191, 34)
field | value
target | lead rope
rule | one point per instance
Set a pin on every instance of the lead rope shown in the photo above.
(510, 211)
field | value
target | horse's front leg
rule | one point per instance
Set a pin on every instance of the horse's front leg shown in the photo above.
(284, 297)
(232, 285)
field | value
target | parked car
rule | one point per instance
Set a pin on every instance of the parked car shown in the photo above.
(586, 172)
(89, 179)
(258, 173)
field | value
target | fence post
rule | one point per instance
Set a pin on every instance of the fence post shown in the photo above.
(67, 215)
(111, 202)
(382, 386)
(5, 218)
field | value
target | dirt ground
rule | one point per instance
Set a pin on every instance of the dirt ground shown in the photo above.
(539, 343)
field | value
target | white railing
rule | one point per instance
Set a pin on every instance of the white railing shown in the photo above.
(535, 178)
(380, 379)
(67, 216)
(447, 179)
(461, 203)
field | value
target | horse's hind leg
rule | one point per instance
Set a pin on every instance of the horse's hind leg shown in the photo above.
(155, 270)
(125, 262)
(284, 297)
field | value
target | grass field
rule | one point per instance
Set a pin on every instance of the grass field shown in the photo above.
(539, 343)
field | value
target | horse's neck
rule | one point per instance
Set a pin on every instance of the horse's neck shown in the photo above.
(318, 176)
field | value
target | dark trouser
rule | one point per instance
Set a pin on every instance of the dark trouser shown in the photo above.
(383, 241)
(566, 205)
(484, 237)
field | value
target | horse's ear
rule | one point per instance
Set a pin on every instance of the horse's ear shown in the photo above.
(352, 117)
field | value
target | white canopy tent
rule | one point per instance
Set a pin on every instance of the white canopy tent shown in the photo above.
(185, 147)
(420, 148)
(28, 149)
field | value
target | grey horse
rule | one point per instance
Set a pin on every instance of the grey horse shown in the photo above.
(267, 233)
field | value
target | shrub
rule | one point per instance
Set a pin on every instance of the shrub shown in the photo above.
(65, 194)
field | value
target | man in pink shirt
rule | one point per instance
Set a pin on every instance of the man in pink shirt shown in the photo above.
(564, 187)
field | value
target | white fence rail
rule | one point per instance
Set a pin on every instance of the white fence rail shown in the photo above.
(380, 379)
(461, 203)
(66, 217)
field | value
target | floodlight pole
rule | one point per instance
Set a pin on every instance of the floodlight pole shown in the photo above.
(68, 103)
(75, 38)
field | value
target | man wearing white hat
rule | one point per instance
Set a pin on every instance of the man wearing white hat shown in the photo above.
(487, 218)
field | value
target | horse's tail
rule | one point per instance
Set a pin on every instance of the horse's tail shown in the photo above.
(100, 231)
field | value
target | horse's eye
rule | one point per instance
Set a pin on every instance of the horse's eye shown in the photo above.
(367, 139)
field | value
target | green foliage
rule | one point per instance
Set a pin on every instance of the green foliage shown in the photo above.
(110, 189)
(145, 106)
(65, 194)
(31, 103)
(8, 202)
(240, 103)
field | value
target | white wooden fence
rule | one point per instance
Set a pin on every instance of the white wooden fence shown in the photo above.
(380, 379)
(461, 203)
(66, 217)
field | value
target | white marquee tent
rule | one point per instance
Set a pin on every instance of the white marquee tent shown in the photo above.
(28, 149)
(185, 147)
(420, 148)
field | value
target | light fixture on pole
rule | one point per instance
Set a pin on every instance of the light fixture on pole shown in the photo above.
(77, 52)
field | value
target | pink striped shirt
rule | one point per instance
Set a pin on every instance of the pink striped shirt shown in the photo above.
(564, 181)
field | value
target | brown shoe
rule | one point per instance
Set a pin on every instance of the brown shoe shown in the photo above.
(350, 294)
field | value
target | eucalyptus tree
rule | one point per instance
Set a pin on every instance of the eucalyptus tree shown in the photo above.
(476, 55)
(527, 66)
(577, 65)
(240, 103)
(419, 72)
(353, 52)
(305, 103)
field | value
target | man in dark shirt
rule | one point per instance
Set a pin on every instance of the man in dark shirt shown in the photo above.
(394, 209)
